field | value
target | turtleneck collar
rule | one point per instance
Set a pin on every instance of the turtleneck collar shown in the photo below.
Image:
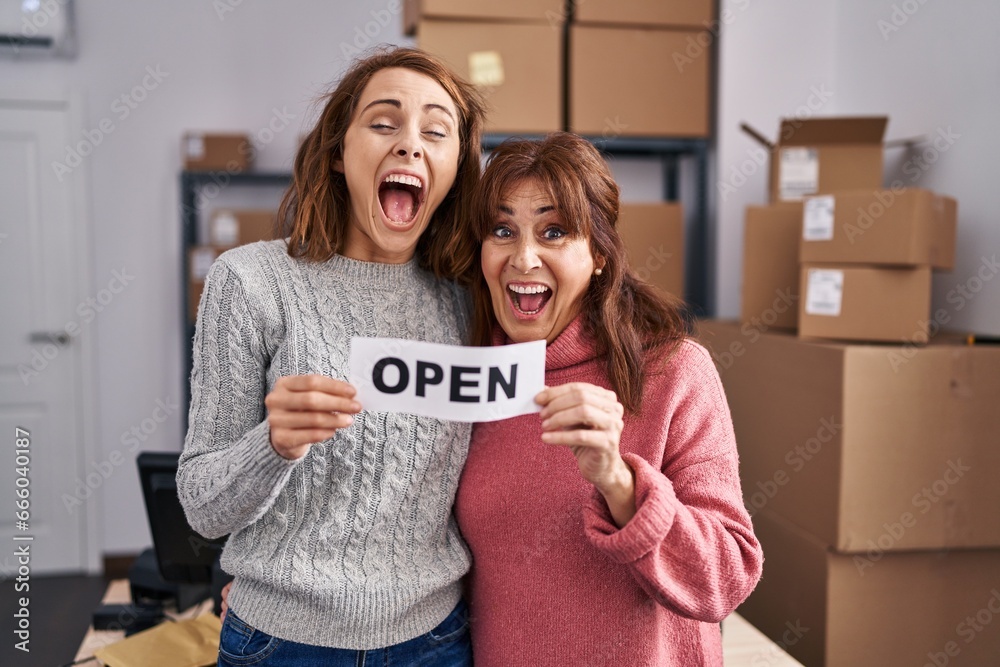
(571, 347)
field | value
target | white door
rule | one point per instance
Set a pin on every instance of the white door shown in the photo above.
(42, 375)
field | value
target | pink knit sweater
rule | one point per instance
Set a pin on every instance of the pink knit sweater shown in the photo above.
(555, 582)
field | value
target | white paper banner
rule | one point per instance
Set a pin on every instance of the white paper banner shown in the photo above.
(468, 384)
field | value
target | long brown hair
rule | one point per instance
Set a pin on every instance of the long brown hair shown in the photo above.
(316, 207)
(624, 315)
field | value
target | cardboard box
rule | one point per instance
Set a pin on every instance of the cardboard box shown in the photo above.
(891, 447)
(629, 82)
(518, 67)
(654, 238)
(903, 226)
(771, 266)
(924, 609)
(550, 12)
(664, 13)
(216, 152)
(823, 155)
(232, 227)
(865, 303)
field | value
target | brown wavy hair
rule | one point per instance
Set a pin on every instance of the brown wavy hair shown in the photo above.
(315, 209)
(625, 316)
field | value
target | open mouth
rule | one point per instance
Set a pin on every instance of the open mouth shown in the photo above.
(400, 196)
(528, 299)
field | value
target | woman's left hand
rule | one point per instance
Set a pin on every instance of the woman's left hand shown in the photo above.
(588, 420)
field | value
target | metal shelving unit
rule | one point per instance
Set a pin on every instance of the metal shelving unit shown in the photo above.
(697, 260)
(192, 183)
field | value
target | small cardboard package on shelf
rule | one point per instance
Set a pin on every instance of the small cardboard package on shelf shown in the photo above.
(868, 447)
(229, 227)
(901, 226)
(865, 303)
(662, 13)
(517, 66)
(654, 239)
(206, 151)
(823, 155)
(637, 82)
(770, 292)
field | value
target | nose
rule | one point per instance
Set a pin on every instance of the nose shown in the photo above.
(409, 144)
(525, 257)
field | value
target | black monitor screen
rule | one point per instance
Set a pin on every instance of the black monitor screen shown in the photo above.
(183, 555)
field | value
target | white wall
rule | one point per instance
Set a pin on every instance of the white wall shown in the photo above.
(938, 73)
(934, 68)
(220, 71)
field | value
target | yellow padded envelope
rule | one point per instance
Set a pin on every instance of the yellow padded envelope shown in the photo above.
(189, 643)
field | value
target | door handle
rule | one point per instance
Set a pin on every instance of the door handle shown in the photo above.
(57, 337)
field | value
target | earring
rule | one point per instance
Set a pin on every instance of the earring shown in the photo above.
(598, 272)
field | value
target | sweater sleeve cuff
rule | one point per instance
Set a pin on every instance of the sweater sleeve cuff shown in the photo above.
(264, 464)
(655, 510)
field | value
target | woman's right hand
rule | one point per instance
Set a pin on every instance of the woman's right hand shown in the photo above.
(306, 409)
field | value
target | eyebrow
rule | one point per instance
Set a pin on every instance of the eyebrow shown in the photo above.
(507, 210)
(399, 105)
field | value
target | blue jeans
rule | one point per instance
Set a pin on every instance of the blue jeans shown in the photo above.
(447, 645)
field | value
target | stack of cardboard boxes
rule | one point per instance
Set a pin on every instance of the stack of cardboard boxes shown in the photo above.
(869, 468)
(855, 258)
(598, 68)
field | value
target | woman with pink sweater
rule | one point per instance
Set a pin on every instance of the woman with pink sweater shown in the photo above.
(609, 529)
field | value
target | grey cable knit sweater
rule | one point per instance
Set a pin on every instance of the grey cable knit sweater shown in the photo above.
(353, 545)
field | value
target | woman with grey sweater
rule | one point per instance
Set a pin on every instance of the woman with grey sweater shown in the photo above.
(342, 541)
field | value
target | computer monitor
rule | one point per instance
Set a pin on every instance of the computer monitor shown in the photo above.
(183, 556)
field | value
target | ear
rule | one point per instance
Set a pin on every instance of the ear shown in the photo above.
(599, 262)
(338, 165)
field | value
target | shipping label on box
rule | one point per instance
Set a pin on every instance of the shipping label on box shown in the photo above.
(195, 146)
(799, 173)
(224, 230)
(824, 292)
(817, 221)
